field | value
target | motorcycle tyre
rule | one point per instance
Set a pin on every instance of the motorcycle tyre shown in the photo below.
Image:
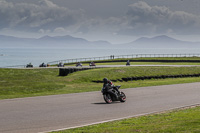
(107, 98)
(122, 97)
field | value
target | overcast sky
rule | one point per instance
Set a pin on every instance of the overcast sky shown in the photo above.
(116, 21)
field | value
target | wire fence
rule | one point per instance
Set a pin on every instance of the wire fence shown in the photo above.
(121, 57)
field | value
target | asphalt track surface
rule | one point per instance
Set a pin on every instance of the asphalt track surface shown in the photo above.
(106, 66)
(58, 112)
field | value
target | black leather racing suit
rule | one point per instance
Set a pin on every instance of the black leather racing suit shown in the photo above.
(108, 88)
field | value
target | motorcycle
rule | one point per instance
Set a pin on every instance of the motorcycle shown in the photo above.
(42, 65)
(79, 64)
(29, 65)
(128, 63)
(112, 95)
(92, 64)
(61, 64)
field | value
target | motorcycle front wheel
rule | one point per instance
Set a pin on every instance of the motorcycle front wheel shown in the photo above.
(107, 98)
(122, 97)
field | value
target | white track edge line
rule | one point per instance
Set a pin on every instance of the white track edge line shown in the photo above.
(132, 116)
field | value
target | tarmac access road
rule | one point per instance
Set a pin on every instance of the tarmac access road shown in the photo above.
(58, 112)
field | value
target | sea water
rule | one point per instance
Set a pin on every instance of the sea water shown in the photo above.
(36, 56)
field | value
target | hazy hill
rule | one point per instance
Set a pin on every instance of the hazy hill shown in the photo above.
(74, 42)
(48, 41)
(10, 41)
(161, 42)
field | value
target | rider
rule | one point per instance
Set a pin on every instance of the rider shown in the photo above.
(107, 84)
(128, 62)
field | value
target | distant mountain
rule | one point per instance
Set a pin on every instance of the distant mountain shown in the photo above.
(10, 41)
(68, 41)
(64, 41)
(101, 43)
(162, 41)
(11, 38)
(48, 41)
(157, 39)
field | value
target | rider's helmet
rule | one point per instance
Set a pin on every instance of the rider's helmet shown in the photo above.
(105, 80)
(110, 82)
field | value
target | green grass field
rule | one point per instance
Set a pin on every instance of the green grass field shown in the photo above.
(15, 83)
(176, 121)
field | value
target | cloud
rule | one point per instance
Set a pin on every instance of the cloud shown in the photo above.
(60, 30)
(143, 19)
(33, 17)
(46, 17)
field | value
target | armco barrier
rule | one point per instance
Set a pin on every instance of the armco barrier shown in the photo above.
(152, 77)
(66, 71)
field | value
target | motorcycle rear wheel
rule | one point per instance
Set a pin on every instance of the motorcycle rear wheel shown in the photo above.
(107, 98)
(122, 97)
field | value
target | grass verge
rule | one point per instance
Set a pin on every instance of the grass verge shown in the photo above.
(184, 121)
(15, 83)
